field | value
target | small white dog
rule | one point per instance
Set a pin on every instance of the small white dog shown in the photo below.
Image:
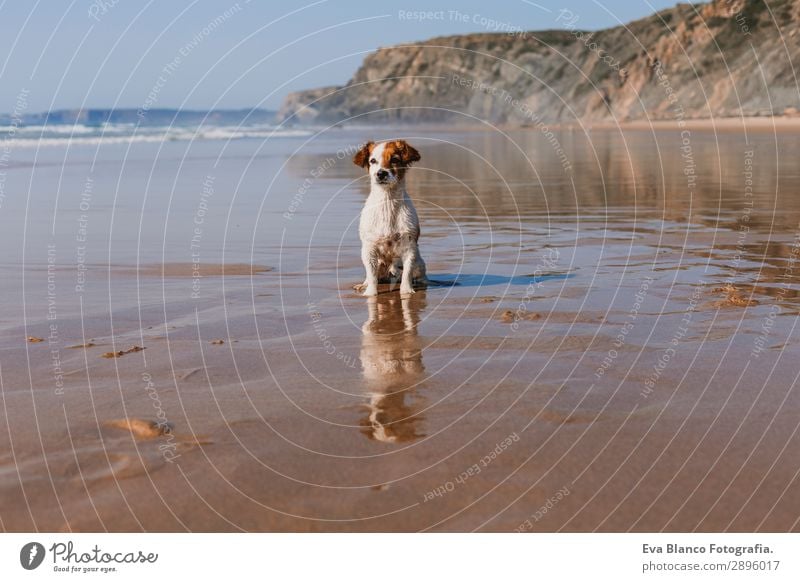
(389, 227)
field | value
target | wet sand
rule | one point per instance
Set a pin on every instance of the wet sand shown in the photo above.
(617, 354)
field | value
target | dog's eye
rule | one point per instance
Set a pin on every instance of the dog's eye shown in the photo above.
(395, 160)
(373, 161)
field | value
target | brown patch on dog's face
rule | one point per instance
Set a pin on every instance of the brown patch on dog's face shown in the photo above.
(397, 156)
(362, 156)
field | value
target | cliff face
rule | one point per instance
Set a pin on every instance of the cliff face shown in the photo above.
(304, 106)
(726, 58)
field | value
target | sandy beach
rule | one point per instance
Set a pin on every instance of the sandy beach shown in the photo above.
(769, 124)
(617, 350)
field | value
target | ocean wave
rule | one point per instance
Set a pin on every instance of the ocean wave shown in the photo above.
(69, 135)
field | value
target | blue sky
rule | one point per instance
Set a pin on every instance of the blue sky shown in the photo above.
(227, 54)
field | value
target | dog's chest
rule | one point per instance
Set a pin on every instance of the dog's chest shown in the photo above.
(388, 224)
(388, 247)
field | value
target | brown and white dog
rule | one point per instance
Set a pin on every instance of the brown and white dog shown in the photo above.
(389, 227)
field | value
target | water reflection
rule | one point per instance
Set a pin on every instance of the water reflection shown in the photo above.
(391, 360)
(491, 203)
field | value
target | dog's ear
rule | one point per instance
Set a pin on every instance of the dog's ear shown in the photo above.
(362, 156)
(408, 153)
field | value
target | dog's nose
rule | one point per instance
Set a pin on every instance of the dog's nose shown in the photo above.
(382, 174)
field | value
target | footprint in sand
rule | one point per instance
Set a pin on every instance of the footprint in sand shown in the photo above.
(733, 297)
(143, 429)
(119, 354)
(509, 316)
(150, 429)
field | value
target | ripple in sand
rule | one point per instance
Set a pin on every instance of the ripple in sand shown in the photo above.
(200, 270)
(562, 417)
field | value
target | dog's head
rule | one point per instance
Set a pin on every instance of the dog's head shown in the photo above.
(386, 161)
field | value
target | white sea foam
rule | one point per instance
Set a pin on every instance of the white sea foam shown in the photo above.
(121, 133)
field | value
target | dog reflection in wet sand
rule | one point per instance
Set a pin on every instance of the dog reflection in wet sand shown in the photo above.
(391, 360)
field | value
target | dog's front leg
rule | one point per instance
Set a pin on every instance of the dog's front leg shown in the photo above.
(370, 260)
(406, 288)
(420, 274)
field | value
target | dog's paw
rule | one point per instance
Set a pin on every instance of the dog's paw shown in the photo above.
(359, 287)
(406, 290)
(370, 292)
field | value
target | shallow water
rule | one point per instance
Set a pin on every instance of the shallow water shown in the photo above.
(618, 351)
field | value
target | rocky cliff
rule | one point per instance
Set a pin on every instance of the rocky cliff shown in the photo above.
(725, 58)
